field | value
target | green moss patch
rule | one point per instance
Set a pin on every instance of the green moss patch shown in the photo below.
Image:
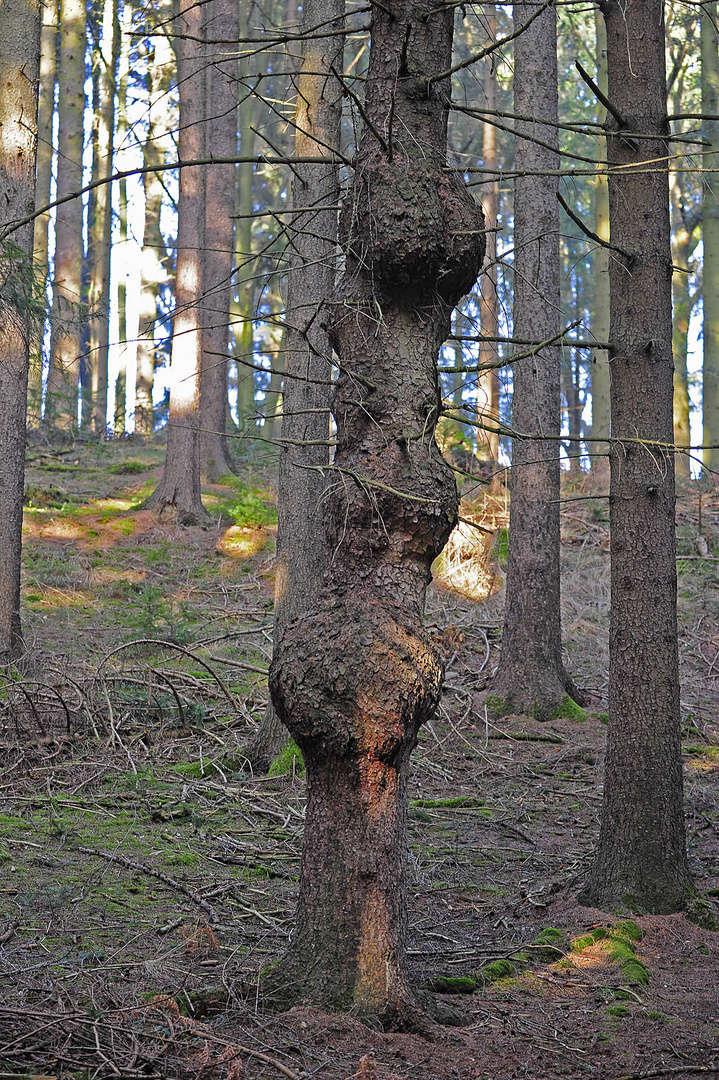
(464, 802)
(568, 710)
(289, 760)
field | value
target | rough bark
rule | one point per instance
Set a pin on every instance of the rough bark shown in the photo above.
(641, 860)
(531, 677)
(312, 271)
(46, 109)
(600, 260)
(178, 492)
(19, 75)
(354, 678)
(65, 347)
(710, 237)
(221, 133)
(154, 252)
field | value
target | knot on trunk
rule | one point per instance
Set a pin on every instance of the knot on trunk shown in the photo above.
(354, 681)
(413, 227)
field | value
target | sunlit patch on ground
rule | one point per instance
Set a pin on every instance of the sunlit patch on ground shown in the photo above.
(46, 597)
(241, 542)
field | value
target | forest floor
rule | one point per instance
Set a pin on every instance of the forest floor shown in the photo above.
(147, 879)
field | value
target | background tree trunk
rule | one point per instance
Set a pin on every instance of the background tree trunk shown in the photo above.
(600, 260)
(221, 133)
(312, 271)
(179, 488)
(531, 678)
(19, 75)
(355, 677)
(46, 111)
(243, 310)
(641, 861)
(710, 237)
(65, 348)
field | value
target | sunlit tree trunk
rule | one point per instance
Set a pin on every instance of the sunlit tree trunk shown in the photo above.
(684, 240)
(46, 110)
(65, 346)
(100, 216)
(356, 676)
(122, 249)
(600, 260)
(531, 677)
(243, 308)
(19, 75)
(641, 862)
(154, 252)
(179, 489)
(221, 133)
(710, 236)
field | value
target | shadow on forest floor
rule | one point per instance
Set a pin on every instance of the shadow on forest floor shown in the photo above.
(147, 879)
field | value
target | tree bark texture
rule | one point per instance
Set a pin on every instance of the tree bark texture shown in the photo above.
(312, 272)
(641, 860)
(710, 237)
(46, 109)
(179, 489)
(531, 678)
(65, 346)
(354, 678)
(19, 76)
(222, 22)
(600, 261)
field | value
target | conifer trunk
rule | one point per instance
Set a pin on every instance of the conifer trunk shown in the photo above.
(641, 861)
(600, 262)
(19, 74)
(710, 236)
(354, 678)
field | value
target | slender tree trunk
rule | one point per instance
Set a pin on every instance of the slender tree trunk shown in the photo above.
(179, 488)
(600, 259)
(531, 677)
(356, 676)
(682, 246)
(101, 217)
(46, 110)
(119, 420)
(488, 403)
(154, 252)
(65, 347)
(710, 236)
(243, 309)
(641, 861)
(221, 133)
(19, 75)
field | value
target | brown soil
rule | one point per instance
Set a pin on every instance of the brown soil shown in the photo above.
(147, 880)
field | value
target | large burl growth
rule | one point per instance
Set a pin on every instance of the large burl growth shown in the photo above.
(355, 678)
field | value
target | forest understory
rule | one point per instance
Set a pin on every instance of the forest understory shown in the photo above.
(148, 879)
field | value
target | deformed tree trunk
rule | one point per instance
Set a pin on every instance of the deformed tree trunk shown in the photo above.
(531, 677)
(62, 387)
(19, 75)
(179, 489)
(641, 861)
(354, 678)
(221, 133)
(304, 453)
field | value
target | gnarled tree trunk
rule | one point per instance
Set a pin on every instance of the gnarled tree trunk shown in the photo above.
(355, 678)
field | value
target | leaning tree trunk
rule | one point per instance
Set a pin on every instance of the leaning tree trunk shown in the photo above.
(221, 133)
(710, 237)
(354, 678)
(641, 861)
(65, 348)
(19, 75)
(531, 677)
(312, 271)
(179, 489)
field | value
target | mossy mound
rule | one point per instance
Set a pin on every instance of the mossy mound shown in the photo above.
(289, 760)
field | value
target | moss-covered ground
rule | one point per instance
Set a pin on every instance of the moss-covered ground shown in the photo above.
(147, 878)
